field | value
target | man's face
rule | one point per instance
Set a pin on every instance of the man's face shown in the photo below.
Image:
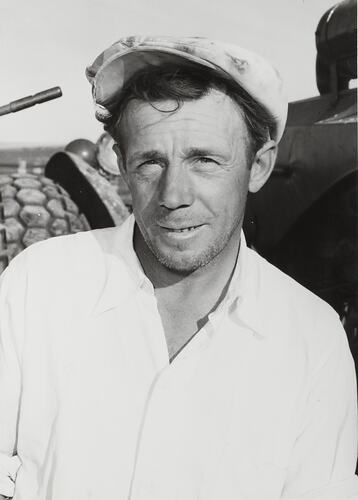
(188, 174)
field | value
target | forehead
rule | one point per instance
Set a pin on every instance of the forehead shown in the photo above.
(215, 116)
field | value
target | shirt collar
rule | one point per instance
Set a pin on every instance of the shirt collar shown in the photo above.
(241, 299)
(120, 262)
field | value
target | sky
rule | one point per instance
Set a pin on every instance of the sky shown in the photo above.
(45, 43)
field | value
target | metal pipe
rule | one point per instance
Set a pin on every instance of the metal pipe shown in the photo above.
(31, 100)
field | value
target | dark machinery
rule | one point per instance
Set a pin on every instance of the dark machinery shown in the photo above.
(336, 42)
(305, 219)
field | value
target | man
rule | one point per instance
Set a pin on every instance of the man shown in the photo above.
(163, 359)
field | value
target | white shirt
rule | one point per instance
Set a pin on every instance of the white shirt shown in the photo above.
(260, 405)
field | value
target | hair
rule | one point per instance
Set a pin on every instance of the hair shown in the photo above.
(190, 83)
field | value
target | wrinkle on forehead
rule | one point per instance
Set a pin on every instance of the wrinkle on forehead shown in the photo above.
(215, 115)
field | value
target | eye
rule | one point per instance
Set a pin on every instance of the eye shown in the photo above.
(149, 163)
(206, 160)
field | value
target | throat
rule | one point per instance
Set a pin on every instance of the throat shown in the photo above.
(184, 315)
(181, 325)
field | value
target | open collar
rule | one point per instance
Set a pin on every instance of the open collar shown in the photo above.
(122, 271)
(124, 275)
(245, 290)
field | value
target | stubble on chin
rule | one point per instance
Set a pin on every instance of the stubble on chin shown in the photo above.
(178, 262)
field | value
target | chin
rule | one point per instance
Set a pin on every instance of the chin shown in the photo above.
(182, 266)
(185, 262)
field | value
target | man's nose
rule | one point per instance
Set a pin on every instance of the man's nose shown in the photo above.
(176, 189)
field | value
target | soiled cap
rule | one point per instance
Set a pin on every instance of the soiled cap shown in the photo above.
(114, 67)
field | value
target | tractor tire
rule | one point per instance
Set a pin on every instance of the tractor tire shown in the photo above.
(34, 208)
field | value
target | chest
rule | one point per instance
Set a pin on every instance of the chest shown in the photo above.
(217, 420)
(180, 325)
(209, 418)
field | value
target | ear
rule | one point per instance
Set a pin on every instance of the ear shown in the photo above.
(120, 161)
(262, 166)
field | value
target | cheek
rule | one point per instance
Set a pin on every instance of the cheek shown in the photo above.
(225, 197)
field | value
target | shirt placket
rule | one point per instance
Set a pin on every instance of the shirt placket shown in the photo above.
(154, 335)
(143, 485)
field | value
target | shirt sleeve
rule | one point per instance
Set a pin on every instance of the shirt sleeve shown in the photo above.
(12, 284)
(323, 462)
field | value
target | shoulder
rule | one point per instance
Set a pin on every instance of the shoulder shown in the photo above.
(293, 312)
(71, 267)
(282, 288)
(68, 251)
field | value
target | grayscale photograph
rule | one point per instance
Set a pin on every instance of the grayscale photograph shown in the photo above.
(178, 250)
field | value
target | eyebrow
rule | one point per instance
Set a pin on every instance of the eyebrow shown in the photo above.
(195, 152)
(154, 154)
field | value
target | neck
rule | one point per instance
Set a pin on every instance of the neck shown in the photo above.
(212, 279)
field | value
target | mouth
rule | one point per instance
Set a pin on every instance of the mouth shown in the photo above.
(181, 229)
(177, 233)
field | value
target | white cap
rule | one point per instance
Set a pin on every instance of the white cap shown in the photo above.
(114, 67)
